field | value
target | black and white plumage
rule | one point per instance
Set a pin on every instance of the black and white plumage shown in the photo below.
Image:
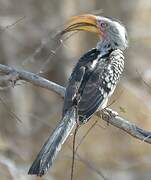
(92, 82)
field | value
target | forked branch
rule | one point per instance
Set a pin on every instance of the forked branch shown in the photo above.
(10, 75)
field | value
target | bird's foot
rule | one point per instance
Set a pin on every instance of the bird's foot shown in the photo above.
(111, 112)
(107, 114)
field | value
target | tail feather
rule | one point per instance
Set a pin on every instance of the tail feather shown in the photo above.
(53, 144)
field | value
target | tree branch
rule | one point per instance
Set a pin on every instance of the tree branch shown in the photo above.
(12, 75)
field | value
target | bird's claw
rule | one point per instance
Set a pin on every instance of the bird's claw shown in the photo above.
(111, 112)
(107, 114)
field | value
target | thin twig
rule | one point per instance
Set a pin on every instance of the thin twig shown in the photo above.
(10, 110)
(85, 135)
(147, 85)
(53, 53)
(87, 164)
(91, 167)
(73, 150)
(14, 23)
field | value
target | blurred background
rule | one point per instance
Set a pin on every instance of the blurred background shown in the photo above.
(27, 31)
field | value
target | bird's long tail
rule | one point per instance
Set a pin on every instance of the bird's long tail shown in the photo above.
(53, 144)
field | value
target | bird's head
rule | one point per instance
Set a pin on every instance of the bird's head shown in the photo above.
(112, 33)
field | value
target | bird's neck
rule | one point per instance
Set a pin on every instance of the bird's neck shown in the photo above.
(104, 47)
(107, 45)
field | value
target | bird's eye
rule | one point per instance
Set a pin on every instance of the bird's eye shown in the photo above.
(104, 25)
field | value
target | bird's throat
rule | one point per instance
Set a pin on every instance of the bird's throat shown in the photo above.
(104, 47)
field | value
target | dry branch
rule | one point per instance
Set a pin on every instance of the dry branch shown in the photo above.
(12, 75)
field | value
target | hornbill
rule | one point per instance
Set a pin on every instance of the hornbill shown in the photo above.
(92, 82)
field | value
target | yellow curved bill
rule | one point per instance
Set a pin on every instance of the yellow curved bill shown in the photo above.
(86, 22)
